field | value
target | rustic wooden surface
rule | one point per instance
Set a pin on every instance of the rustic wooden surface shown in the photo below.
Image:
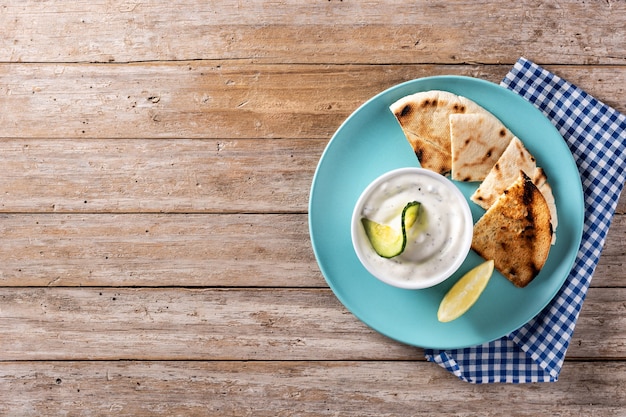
(156, 164)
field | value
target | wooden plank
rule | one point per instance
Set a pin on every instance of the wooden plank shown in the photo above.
(157, 250)
(221, 99)
(190, 250)
(569, 32)
(596, 332)
(182, 324)
(610, 269)
(157, 176)
(296, 388)
(232, 324)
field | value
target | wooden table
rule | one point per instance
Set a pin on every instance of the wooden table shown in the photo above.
(157, 159)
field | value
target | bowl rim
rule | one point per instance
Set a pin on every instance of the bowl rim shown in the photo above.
(445, 273)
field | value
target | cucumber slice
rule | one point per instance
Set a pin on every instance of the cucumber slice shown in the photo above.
(410, 214)
(387, 241)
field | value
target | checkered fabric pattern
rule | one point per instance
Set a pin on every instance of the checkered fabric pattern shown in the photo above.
(596, 136)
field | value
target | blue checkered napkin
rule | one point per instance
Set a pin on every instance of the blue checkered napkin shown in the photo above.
(596, 135)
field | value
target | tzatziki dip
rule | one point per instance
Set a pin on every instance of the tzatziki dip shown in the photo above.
(437, 243)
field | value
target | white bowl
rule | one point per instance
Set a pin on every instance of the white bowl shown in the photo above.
(439, 241)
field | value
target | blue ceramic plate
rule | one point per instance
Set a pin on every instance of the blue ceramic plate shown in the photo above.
(369, 143)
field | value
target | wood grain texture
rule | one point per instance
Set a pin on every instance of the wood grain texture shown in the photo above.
(421, 31)
(232, 324)
(222, 99)
(308, 389)
(157, 250)
(180, 324)
(157, 159)
(184, 176)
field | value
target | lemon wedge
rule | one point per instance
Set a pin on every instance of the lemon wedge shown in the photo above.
(465, 292)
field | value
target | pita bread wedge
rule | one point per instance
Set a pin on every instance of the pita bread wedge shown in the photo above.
(424, 118)
(505, 171)
(477, 141)
(514, 158)
(540, 179)
(516, 232)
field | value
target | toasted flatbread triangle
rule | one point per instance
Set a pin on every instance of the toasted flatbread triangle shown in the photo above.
(424, 118)
(516, 232)
(477, 141)
(505, 171)
(540, 179)
(514, 158)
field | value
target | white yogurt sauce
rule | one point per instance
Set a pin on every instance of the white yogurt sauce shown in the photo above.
(434, 243)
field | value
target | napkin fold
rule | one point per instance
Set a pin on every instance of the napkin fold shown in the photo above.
(596, 136)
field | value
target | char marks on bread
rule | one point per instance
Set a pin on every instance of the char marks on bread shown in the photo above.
(506, 170)
(477, 141)
(516, 232)
(451, 134)
(454, 136)
(424, 118)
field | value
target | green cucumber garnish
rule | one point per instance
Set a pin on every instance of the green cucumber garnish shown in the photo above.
(387, 241)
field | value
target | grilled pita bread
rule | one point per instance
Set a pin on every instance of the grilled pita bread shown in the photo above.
(516, 232)
(477, 141)
(451, 134)
(424, 118)
(540, 179)
(514, 158)
(505, 171)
